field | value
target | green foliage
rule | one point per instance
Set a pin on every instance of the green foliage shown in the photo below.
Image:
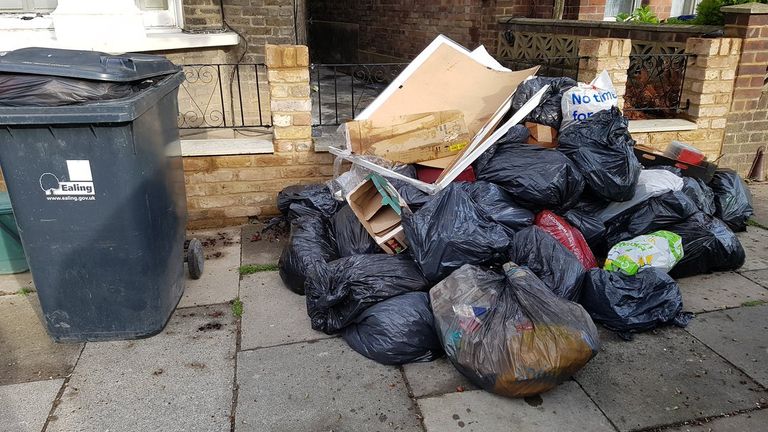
(753, 303)
(24, 291)
(256, 268)
(674, 20)
(237, 308)
(708, 11)
(643, 14)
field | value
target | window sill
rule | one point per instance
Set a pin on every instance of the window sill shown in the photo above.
(226, 147)
(661, 125)
(155, 41)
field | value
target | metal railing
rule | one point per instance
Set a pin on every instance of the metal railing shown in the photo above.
(548, 66)
(224, 96)
(655, 85)
(341, 91)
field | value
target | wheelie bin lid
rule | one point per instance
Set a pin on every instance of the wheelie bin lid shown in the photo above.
(88, 65)
(157, 75)
(5, 203)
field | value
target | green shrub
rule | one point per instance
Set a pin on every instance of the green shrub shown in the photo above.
(708, 11)
(643, 14)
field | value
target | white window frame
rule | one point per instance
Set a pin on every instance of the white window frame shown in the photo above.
(154, 20)
(635, 4)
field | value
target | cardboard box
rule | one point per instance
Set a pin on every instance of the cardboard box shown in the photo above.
(649, 158)
(409, 138)
(542, 135)
(378, 207)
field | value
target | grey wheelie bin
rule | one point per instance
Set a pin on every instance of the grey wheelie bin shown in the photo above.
(89, 149)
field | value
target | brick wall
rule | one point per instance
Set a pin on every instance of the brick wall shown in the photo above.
(585, 10)
(661, 8)
(747, 127)
(400, 29)
(227, 190)
(709, 84)
(259, 21)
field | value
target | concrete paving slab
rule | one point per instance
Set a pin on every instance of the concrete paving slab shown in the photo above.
(221, 278)
(751, 421)
(564, 409)
(321, 386)
(179, 380)
(272, 314)
(25, 407)
(759, 277)
(760, 202)
(717, 291)
(27, 353)
(664, 378)
(738, 335)
(261, 249)
(435, 378)
(12, 283)
(755, 243)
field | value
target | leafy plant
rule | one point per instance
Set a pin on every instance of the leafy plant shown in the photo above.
(256, 268)
(708, 11)
(24, 291)
(643, 14)
(237, 307)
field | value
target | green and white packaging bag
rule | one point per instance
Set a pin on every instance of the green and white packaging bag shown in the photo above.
(660, 249)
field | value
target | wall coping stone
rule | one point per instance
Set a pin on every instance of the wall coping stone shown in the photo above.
(746, 8)
(666, 28)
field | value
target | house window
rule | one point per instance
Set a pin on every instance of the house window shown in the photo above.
(683, 7)
(615, 7)
(156, 13)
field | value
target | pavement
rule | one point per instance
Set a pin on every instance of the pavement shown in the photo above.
(216, 369)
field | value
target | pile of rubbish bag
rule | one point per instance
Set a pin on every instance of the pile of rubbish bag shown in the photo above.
(507, 268)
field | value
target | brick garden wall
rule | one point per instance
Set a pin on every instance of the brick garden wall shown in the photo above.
(747, 127)
(399, 29)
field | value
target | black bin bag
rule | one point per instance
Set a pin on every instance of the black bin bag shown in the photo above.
(339, 291)
(516, 134)
(651, 215)
(733, 201)
(549, 260)
(396, 331)
(537, 178)
(350, 235)
(633, 303)
(498, 205)
(310, 242)
(549, 112)
(47, 91)
(452, 230)
(603, 150)
(708, 246)
(701, 194)
(508, 333)
(307, 200)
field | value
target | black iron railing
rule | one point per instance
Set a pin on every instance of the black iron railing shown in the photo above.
(224, 96)
(341, 91)
(548, 66)
(655, 85)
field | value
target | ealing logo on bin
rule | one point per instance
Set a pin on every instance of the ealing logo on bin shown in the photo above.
(79, 186)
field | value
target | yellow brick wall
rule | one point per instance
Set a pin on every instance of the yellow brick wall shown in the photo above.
(227, 190)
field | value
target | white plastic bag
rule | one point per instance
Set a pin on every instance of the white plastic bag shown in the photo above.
(651, 183)
(583, 101)
(660, 249)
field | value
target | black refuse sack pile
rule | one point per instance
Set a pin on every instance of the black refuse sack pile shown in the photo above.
(486, 282)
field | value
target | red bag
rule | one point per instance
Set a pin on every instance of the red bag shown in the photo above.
(569, 236)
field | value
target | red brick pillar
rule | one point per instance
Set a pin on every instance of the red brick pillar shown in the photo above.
(747, 128)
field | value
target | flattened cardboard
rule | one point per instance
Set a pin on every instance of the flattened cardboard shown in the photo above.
(380, 220)
(409, 138)
(446, 76)
(462, 161)
(541, 135)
